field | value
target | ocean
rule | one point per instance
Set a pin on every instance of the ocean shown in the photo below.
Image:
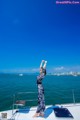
(58, 89)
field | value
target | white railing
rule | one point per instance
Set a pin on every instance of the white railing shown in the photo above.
(65, 95)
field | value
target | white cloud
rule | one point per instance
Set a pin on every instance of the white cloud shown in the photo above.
(74, 68)
(20, 70)
(59, 68)
(35, 70)
(66, 69)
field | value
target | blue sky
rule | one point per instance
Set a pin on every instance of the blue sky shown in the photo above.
(34, 30)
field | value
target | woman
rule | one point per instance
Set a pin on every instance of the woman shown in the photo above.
(41, 101)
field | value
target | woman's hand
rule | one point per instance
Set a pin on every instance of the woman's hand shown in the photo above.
(43, 61)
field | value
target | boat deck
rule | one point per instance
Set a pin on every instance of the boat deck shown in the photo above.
(27, 113)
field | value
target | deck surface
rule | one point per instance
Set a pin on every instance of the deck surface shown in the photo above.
(27, 114)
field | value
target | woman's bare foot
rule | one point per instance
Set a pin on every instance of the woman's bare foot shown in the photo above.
(36, 115)
(41, 114)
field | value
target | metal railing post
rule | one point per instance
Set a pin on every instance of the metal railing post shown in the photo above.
(13, 104)
(73, 96)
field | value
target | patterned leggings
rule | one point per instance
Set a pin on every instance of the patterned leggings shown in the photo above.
(41, 101)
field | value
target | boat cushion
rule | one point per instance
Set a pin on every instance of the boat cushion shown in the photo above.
(62, 112)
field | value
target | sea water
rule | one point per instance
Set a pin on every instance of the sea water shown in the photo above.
(58, 89)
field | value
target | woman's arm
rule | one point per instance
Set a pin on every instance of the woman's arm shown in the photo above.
(41, 65)
(45, 63)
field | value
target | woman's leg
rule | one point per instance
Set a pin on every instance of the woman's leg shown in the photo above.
(41, 101)
(42, 106)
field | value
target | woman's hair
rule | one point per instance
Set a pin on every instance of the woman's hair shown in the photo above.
(43, 70)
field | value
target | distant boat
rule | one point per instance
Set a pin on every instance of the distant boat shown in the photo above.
(75, 75)
(21, 74)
